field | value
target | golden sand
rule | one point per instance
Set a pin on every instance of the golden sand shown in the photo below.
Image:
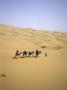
(30, 73)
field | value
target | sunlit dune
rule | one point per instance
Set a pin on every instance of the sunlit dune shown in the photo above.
(31, 73)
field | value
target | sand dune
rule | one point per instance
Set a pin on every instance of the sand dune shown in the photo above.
(42, 73)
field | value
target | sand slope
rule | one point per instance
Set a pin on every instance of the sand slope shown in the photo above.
(42, 73)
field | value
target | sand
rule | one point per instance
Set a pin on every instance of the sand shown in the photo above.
(30, 73)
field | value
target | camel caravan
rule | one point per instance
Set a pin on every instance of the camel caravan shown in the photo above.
(30, 53)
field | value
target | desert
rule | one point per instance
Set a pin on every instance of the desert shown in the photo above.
(31, 73)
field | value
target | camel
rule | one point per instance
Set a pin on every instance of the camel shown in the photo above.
(30, 53)
(25, 53)
(17, 53)
(37, 53)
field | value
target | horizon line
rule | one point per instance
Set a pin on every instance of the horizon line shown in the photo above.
(27, 27)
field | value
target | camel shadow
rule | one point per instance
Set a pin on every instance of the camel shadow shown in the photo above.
(22, 57)
(14, 57)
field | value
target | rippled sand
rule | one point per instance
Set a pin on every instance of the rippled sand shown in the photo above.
(30, 73)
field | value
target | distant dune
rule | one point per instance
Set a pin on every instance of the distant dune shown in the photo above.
(42, 73)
